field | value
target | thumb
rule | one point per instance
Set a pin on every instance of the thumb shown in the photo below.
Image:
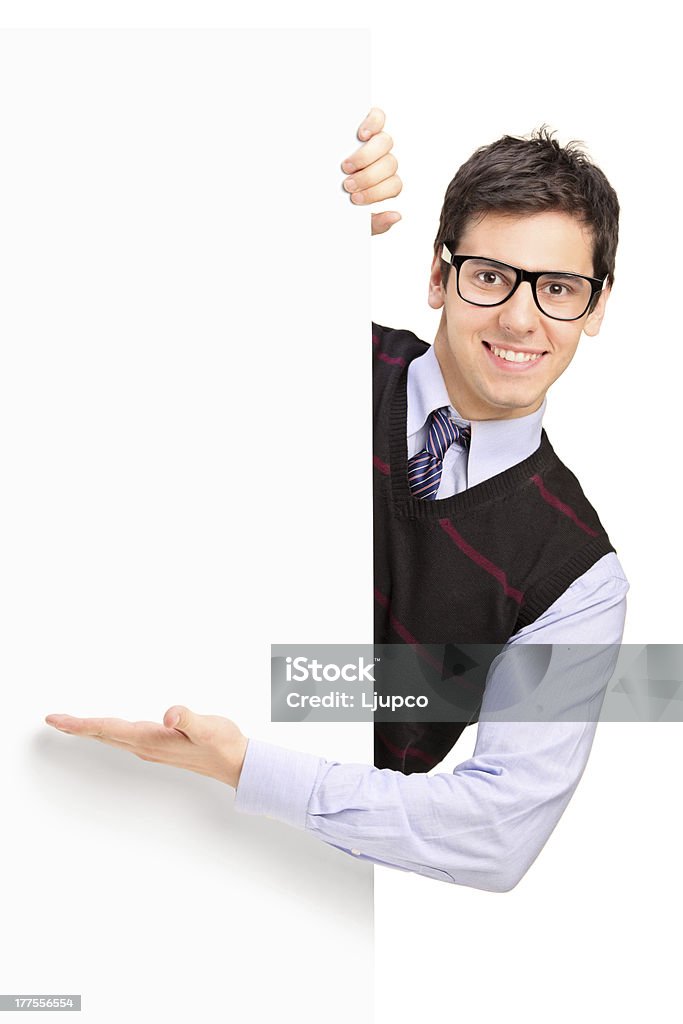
(181, 718)
(381, 222)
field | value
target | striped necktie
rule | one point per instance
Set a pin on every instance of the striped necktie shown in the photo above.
(424, 469)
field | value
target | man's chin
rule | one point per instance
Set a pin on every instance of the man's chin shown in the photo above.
(512, 403)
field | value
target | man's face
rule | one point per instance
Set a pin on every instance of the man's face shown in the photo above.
(481, 384)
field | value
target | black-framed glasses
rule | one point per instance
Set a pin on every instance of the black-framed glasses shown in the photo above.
(486, 282)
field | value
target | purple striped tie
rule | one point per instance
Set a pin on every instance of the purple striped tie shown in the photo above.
(424, 469)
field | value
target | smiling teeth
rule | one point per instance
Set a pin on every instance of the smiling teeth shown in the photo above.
(516, 357)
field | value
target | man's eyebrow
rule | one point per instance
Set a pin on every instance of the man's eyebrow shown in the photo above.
(555, 273)
(564, 273)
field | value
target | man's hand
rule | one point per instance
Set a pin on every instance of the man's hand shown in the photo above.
(205, 744)
(372, 171)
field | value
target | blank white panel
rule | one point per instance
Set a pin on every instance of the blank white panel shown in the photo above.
(184, 456)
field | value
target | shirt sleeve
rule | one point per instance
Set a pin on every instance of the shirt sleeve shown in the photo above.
(483, 824)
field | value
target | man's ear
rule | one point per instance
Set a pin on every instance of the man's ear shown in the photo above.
(594, 319)
(437, 292)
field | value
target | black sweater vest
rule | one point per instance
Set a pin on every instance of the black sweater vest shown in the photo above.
(470, 569)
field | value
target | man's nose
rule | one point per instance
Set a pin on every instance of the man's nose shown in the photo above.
(520, 314)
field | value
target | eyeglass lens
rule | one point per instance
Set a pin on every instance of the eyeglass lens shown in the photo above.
(487, 283)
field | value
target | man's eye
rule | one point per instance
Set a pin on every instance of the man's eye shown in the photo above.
(489, 277)
(559, 289)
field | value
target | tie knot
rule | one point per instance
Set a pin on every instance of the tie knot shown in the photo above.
(443, 432)
(424, 468)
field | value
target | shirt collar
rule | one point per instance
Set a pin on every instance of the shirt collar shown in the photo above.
(496, 445)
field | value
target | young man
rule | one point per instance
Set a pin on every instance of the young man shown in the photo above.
(498, 532)
(497, 543)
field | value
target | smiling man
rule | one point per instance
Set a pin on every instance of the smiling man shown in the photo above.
(482, 535)
(496, 541)
(500, 345)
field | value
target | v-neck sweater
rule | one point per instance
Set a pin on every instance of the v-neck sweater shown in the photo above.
(476, 567)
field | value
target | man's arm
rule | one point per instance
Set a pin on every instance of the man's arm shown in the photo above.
(484, 824)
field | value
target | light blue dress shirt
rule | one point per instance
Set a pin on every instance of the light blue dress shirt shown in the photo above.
(483, 824)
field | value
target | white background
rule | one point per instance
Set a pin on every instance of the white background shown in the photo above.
(589, 933)
(592, 928)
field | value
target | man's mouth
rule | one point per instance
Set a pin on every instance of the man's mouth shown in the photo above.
(514, 355)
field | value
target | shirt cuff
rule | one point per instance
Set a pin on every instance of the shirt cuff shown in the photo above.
(277, 782)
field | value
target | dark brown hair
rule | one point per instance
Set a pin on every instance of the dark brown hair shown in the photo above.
(530, 175)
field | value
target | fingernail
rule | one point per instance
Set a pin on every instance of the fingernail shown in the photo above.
(358, 198)
(174, 721)
(350, 185)
(348, 167)
(364, 132)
